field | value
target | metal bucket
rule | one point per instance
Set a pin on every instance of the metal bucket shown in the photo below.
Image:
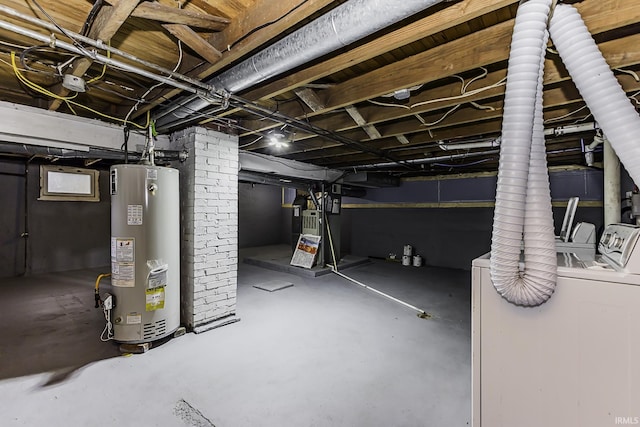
(406, 260)
(408, 250)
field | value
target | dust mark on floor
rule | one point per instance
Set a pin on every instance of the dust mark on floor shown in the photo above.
(190, 415)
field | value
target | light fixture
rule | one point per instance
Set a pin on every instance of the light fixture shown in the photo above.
(277, 138)
(403, 94)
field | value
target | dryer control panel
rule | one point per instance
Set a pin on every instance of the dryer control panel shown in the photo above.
(618, 247)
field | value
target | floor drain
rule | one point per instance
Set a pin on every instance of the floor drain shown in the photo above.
(190, 415)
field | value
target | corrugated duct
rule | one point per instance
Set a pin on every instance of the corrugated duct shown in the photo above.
(523, 203)
(343, 25)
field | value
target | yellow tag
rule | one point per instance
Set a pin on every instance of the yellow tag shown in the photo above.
(154, 299)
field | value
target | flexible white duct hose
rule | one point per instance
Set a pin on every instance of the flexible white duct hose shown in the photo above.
(598, 86)
(523, 201)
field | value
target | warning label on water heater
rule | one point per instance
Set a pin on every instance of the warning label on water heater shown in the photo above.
(154, 299)
(123, 271)
(134, 214)
(123, 274)
(134, 319)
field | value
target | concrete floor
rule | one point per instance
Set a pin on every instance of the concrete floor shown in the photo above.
(321, 353)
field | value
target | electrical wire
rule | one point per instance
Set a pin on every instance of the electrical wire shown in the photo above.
(482, 107)
(557, 119)
(97, 5)
(35, 86)
(252, 142)
(142, 98)
(67, 99)
(462, 165)
(444, 116)
(119, 94)
(24, 69)
(104, 67)
(464, 92)
(13, 45)
(313, 168)
(108, 327)
(630, 72)
(63, 31)
(499, 83)
(266, 24)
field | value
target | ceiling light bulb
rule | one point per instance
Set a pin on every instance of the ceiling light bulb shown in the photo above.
(402, 94)
(278, 139)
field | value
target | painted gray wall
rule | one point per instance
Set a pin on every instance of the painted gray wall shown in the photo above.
(67, 235)
(261, 217)
(12, 200)
(448, 237)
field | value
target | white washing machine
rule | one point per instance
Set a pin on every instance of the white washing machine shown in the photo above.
(573, 361)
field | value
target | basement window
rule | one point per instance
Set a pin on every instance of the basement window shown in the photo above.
(63, 183)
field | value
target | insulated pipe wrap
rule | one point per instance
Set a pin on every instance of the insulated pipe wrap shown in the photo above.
(593, 77)
(341, 26)
(523, 202)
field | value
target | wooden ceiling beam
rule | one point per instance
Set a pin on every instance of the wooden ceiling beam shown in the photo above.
(251, 18)
(440, 62)
(444, 19)
(108, 21)
(361, 122)
(449, 17)
(559, 102)
(172, 15)
(616, 52)
(309, 97)
(464, 128)
(485, 47)
(194, 41)
(316, 148)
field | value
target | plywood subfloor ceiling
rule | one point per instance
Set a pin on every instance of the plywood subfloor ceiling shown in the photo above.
(452, 57)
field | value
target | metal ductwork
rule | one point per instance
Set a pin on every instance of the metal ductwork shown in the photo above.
(346, 24)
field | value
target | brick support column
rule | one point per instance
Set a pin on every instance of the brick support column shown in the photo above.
(209, 225)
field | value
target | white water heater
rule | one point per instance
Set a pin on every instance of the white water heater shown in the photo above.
(145, 252)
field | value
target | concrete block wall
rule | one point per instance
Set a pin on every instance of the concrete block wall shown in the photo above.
(209, 223)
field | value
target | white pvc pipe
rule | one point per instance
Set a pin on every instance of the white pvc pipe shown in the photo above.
(593, 77)
(523, 201)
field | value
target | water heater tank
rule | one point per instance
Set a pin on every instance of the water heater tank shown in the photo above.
(145, 252)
